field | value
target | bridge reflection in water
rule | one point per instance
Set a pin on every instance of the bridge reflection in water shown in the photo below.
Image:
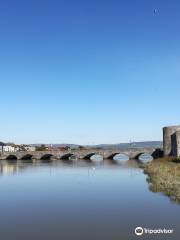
(13, 166)
(61, 199)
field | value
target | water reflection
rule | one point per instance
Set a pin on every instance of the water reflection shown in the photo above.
(145, 157)
(79, 199)
(120, 158)
(9, 167)
(96, 158)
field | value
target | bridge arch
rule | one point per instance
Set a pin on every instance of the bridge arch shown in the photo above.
(121, 157)
(112, 155)
(96, 158)
(138, 155)
(11, 157)
(93, 157)
(144, 156)
(68, 156)
(116, 154)
(46, 157)
(89, 155)
(27, 157)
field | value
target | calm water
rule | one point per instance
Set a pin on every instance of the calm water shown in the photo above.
(80, 200)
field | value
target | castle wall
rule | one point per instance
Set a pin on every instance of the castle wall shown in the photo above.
(178, 143)
(169, 140)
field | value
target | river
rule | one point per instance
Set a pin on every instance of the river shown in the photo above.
(80, 199)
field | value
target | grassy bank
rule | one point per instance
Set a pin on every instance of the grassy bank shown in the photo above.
(164, 176)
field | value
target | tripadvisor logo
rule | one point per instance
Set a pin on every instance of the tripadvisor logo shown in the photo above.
(140, 231)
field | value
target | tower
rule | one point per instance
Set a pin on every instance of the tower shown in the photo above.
(171, 137)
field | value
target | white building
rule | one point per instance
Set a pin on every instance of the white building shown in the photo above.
(1, 146)
(8, 148)
(30, 148)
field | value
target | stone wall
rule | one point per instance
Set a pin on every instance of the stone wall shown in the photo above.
(171, 141)
(80, 154)
(176, 144)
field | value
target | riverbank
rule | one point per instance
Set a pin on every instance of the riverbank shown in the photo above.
(164, 176)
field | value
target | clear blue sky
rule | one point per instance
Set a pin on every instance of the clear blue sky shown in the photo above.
(88, 71)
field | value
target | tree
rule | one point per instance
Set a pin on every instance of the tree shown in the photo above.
(41, 148)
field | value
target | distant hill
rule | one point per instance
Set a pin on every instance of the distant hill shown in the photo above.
(148, 144)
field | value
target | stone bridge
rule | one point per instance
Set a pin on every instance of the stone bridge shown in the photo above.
(80, 154)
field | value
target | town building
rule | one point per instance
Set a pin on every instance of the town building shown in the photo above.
(1, 146)
(6, 147)
(30, 148)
